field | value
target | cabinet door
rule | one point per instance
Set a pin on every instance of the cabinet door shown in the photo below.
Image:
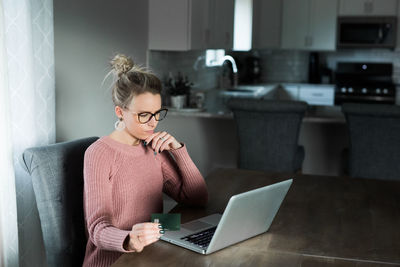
(199, 34)
(267, 16)
(168, 25)
(220, 15)
(384, 7)
(177, 25)
(367, 7)
(295, 20)
(322, 27)
(398, 28)
(317, 94)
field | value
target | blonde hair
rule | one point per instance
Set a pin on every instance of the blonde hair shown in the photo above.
(132, 80)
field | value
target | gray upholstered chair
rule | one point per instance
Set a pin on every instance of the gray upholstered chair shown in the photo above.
(57, 178)
(268, 132)
(374, 132)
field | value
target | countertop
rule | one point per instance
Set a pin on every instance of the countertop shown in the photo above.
(215, 107)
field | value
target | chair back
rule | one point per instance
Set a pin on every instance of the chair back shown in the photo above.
(374, 132)
(57, 177)
(268, 132)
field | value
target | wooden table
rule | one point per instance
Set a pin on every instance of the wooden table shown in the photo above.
(323, 221)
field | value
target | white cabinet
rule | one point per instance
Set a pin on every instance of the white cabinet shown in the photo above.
(397, 48)
(267, 16)
(220, 24)
(309, 24)
(368, 8)
(176, 24)
(320, 95)
(180, 25)
(312, 94)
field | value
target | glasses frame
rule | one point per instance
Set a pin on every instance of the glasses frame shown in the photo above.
(152, 115)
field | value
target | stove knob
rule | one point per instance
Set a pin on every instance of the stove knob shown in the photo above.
(378, 90)
(343, 89)
(385, 91)
(351, 90)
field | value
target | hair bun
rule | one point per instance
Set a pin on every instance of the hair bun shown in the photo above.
(121, 64)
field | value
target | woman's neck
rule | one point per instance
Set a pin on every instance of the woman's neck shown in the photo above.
(124, 138)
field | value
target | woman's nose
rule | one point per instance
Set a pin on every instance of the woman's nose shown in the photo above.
(152, 121)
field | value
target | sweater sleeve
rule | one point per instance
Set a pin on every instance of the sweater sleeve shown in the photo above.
(182, 180)
(98, 201)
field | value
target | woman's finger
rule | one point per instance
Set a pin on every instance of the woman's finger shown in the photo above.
(162, 139)
(150, 137)
(143, 226)
(158, 140)
(149, 232)
(167, 144)
(146, 238)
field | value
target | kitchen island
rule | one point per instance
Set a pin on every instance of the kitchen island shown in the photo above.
(211, 138)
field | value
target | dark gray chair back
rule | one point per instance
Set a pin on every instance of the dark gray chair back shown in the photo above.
(57, 178)
(374, 132)
(268, 132)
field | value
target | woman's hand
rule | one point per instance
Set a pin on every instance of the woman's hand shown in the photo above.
(161, 141)
(143, 234)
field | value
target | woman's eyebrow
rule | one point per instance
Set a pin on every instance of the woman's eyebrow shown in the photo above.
(146, 111)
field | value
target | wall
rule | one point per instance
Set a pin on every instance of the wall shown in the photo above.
(86, 35)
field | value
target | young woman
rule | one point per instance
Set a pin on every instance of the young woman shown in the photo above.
(126, 172)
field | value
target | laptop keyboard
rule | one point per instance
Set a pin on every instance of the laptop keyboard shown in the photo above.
(201, 239)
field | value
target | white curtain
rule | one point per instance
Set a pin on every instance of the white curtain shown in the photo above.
(27, 118)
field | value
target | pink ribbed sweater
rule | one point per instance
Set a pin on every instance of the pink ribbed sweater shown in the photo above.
(123, 186)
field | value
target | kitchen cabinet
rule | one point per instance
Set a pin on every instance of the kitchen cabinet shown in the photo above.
(368, 8)
(267, 16)
(397, 48)
(309, 24)
(319, 95)
(312, 94)
(220, 24)
(181, 25)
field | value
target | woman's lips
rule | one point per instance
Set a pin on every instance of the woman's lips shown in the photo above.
(150, 132)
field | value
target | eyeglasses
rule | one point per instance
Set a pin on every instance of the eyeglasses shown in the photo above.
(145, 117)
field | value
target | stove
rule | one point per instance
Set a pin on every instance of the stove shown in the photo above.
(364, 83)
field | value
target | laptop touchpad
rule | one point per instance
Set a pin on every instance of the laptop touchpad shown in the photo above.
(195, 225)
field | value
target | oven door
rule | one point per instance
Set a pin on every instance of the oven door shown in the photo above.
(385, 94)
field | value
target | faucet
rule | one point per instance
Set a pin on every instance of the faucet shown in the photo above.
(234, 83)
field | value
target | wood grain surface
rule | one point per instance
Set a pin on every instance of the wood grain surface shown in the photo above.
(323, 221)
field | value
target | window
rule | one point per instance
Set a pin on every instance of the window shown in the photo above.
(243, 25)
(214, 57)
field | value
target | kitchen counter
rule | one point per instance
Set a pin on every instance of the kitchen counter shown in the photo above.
(314, 115)
(216, 108)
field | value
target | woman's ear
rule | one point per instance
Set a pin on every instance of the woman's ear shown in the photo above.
(118, 111)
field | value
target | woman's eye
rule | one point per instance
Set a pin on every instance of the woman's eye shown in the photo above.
(144, 115)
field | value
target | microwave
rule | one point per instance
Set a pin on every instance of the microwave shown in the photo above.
(366, 32)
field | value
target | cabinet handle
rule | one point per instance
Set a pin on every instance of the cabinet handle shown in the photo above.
(207, 36)
(227, 38)
(317, 94)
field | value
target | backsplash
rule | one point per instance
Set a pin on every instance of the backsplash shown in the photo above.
(276, 65)
(190, 64)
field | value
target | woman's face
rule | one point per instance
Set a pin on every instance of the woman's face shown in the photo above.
(146, 102)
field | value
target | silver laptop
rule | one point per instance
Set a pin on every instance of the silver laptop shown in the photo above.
(246, 215)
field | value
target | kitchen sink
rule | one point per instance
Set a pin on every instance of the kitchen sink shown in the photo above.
(248, 91)
(239, 90)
